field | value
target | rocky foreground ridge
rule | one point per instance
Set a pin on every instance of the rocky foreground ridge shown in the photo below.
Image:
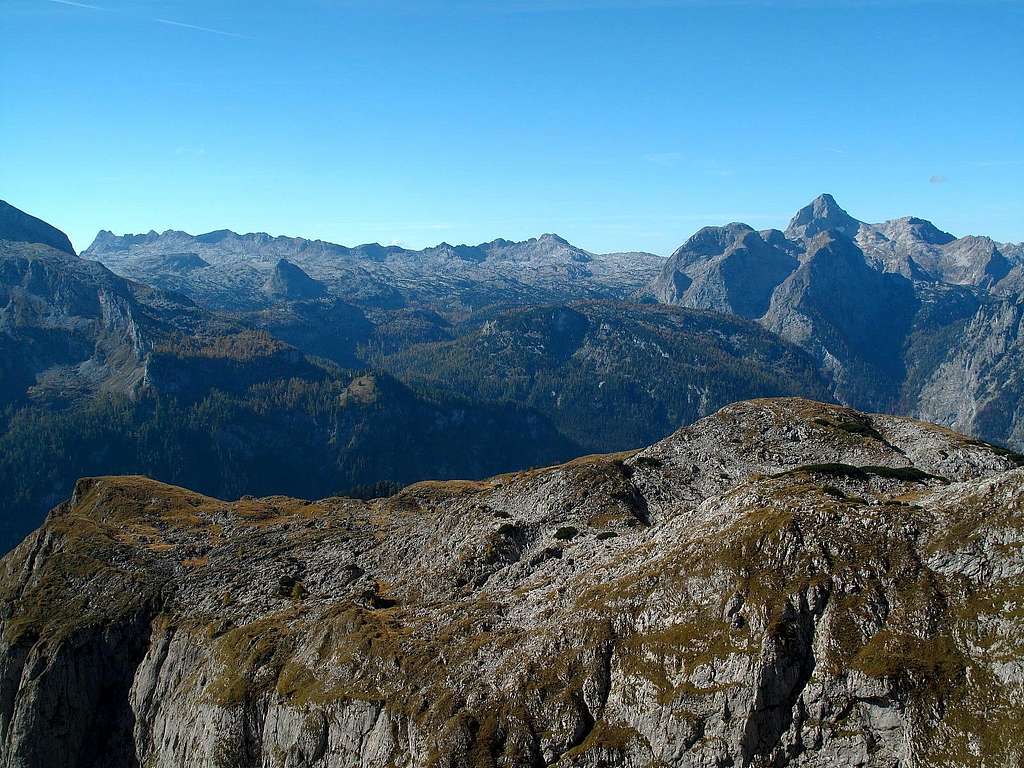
(783, 583)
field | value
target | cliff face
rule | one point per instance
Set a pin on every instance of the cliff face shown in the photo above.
(70, 326)
(976, 388)
(899, 316)
(783, 583)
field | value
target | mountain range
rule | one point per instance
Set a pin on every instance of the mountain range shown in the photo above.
(864, 299)
(596, 352)
(100, 372)
(225, 270)
(772, 581)
(890, 312)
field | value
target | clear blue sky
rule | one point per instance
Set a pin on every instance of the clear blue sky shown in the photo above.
(617, 124)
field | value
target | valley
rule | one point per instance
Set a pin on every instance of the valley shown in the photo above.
(226, 363)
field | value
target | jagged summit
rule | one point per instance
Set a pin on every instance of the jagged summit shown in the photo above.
(18, 226)
(449, 277)
(821, 214)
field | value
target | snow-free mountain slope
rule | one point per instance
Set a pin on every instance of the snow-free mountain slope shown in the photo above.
(454, 279)
(785, 583)
(18, 226)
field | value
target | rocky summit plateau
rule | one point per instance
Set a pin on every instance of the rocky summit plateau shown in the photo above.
(783, 583)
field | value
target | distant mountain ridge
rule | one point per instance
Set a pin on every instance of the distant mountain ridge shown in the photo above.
(866, 300)
(909, 246)
(897, 317)
(453, 278)
(863, 299)
(102, 373)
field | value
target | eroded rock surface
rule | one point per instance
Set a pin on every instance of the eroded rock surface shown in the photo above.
(784, 583)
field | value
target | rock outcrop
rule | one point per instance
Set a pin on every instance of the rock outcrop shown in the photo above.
(785, 583)
(729, 269)
(289, 282)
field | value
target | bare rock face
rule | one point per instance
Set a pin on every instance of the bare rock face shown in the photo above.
(900, 316)
(854, 319)
(68, 325)
(785, 583)
(822, 214)
(977, 387)
(288, 281)
(729, 269)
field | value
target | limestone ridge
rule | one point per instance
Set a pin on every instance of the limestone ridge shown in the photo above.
(784, 583)
(729, 269)
(888, 310)
(18, 226)
(454, 279)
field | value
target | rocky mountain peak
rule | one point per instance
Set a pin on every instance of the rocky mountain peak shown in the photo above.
(730, 269)
(821, 214)
(705, 244)
(713, 240)
(913, 229)
(550, 246)
(289, 281)
(18, 226)
(217, 236)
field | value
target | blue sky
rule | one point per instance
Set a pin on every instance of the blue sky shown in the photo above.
(619, 125)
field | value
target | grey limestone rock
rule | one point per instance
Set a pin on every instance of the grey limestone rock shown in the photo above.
(785, 583)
